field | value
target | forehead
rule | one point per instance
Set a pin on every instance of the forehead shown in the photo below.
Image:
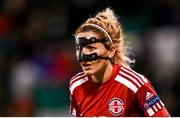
(90, 34)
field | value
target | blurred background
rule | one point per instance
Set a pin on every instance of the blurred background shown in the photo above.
(37, 53)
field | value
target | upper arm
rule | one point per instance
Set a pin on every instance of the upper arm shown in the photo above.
(150, 103)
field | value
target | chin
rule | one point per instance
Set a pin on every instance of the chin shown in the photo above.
(89, 72)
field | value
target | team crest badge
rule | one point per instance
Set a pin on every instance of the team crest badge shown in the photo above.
(116, 106)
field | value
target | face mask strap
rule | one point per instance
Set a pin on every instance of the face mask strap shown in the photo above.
(82, 42)
(90, 57)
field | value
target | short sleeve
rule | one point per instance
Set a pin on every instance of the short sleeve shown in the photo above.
(150, 103)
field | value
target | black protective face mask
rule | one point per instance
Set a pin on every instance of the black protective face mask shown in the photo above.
(82, 42)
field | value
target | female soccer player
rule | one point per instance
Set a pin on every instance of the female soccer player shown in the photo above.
(108, 86)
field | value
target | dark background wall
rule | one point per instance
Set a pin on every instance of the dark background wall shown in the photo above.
(37, 53)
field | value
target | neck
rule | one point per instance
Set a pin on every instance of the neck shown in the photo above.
(104, 75)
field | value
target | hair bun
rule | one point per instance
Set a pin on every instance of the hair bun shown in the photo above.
(107, 14)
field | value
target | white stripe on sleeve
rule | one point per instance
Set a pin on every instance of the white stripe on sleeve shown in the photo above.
(133, 75)
(162, 103)
(155, 108)
(159, 107)
(150, 112)
(130, 78)
(77, 83)
(126, 83)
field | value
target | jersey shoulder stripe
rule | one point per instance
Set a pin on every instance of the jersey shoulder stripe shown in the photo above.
(140, 78)
(78, 74)
(77, 83)
(76, 77)
(127, 83)
(155, 108)
(130, 79)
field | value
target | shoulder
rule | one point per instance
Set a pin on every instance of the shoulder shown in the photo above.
(76, 77)
(130, 78)
(77, 80)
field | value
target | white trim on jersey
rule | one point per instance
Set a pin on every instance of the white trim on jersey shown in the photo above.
(78, 74)
(126, 75)
(150, 112)
(155, 108)
(126, 83)
(162, 103)
(77, 83)
(143, 78)
(77, 77)
(132, 73)
(159, 107)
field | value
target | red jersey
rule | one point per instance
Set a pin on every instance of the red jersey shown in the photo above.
(127, 93)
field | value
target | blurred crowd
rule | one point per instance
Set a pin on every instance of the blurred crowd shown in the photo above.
(37, 53)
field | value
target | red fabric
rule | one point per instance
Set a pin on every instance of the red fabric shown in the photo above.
(127, 93)
(162, 113)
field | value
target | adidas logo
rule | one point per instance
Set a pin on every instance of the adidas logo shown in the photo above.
(149, 95)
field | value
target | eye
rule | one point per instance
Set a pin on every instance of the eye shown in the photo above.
(90, 47)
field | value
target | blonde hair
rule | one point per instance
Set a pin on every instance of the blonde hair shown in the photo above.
(111, 28)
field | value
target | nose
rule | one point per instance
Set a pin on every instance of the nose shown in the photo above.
(85, 50)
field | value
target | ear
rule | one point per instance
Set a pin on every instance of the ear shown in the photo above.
(111, 52)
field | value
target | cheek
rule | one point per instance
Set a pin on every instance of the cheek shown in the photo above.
(101, 52)
(99, 64)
